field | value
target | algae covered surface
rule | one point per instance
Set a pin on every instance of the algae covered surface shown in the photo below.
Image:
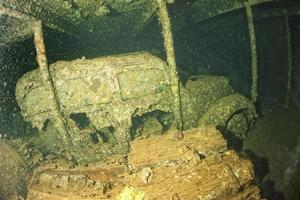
(14, 173)
(108, 101)
(98, 98)
(78, 17)
(234, 113)
(275, 138)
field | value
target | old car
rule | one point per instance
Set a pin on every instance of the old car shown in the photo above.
(101, 98)
(98, 96)
(92, 108)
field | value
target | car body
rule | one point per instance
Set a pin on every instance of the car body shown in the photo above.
(100, 97)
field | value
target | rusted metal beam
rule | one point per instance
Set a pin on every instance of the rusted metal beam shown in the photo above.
(207, 9)
(58, 116)
(169, 46)
(27, 17)
(16, 14)
(252, 38)
(278, 12)
(289, 59)
(41, 57)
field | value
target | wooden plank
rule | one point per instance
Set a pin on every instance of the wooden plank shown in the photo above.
(198, 166)
(163, 150)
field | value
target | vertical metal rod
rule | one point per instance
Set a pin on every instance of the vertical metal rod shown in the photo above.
(252, 38)
(58, 115)
(289, 59)
(169, 46)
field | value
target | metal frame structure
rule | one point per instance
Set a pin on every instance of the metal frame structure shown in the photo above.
(169, 47)
(285, 13)
(41, 58)
(48, 81)
(290, 60)
(252, 39)
(272, 12)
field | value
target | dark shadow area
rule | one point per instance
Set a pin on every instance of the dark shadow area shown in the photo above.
(233, 142)
(155, 122)
(16, 60)
(104, 135)
(269, 191)
(261, 169)
(275, 138)
(81, 119)
(45, 124)
(261, 165)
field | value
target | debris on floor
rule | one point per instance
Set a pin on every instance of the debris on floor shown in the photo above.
(198, 166)
(14, 173)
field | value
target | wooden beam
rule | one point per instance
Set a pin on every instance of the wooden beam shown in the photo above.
(58, 116)
(169, 46)
(252, 38)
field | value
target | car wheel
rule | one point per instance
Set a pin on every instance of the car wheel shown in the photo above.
(234, 114)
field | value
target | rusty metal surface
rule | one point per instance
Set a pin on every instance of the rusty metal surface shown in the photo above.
(58, 115)
(76, 17)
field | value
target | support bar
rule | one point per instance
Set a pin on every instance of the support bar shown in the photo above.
(24, 16)
(289, 59)
(41, 57)
(60, 121)
(279, 12)
(206, 9)
(252, 38)
(169, 46)
(16, 14)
